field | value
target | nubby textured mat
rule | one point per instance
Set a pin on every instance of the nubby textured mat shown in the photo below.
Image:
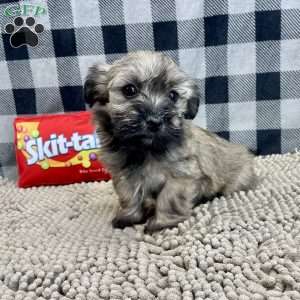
(58, 243)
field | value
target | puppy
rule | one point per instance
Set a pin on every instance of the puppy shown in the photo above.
(161, 164)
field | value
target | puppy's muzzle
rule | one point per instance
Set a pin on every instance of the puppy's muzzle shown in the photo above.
(154, 123)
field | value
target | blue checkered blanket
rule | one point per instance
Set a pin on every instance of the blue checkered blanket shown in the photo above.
(245, 55)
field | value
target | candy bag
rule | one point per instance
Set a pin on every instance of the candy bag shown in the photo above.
(57, 149)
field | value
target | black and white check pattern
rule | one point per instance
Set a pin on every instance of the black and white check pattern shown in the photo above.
(245, 55)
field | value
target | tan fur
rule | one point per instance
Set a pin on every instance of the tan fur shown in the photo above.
(161, 187)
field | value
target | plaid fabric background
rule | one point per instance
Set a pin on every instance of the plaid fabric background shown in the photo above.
(245, 55)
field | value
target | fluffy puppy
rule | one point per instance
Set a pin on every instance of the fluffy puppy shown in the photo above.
(161, 164)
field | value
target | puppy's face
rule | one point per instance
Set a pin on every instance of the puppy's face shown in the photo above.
(146, 97)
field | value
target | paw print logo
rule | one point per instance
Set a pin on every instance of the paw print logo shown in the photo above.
(24, 32)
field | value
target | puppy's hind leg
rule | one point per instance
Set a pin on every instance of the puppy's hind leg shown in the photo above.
(243, 181)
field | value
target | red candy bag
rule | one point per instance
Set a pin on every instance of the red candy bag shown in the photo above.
(57, 149)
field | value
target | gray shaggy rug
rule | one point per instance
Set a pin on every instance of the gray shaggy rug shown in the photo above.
(58, 243)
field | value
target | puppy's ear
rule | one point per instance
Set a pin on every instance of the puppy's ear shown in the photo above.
(95, 86)
(193, 102)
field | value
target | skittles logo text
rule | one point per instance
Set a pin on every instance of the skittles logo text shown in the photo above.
(48, 152)
(38, 149)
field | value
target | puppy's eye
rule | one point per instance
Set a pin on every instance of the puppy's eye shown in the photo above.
(173, 95)
(129, 90)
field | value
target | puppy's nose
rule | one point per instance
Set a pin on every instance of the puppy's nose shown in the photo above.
(154, 123)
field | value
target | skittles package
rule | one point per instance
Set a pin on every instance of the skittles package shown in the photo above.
(57, 149)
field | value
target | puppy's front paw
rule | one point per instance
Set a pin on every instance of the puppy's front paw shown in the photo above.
(154, 225)
(120, 223)
(151, 226)
(124, 219)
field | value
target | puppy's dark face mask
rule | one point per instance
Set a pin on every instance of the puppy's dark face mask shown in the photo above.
(146, 97)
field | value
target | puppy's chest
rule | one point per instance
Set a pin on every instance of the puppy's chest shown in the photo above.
(151, 178)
